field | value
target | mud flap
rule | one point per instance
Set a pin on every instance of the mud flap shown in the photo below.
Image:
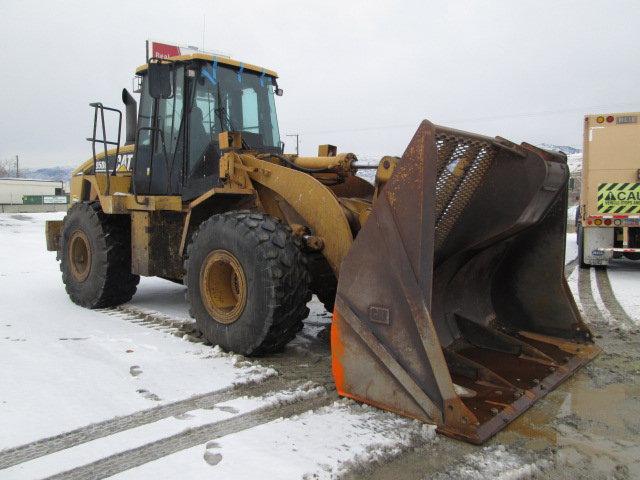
(452, 306)
(52, 233)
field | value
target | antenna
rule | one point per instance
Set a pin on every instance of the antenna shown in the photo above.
(204, 25)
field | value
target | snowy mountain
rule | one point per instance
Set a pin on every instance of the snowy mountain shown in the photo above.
(574, 161)
(574, 155)
(561, 148)
(62, 174)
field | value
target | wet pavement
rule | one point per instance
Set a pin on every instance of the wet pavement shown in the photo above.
(588, 428)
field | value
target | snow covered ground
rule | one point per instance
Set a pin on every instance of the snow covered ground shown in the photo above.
(318, 444)
(65, 368)
(129, 394)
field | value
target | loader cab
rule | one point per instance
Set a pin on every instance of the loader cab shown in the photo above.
(184, 106)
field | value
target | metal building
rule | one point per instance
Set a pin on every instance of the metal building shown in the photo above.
(24, 194)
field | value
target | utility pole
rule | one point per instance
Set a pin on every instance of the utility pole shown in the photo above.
(17, 167)
(297, 142)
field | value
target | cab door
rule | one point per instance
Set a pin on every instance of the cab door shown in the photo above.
(159, 156)
(202, 156)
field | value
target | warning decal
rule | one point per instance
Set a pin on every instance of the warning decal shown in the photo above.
(619, 198)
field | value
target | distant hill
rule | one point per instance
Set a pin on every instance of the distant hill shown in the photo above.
(62, 174)
(561, 148)
(574, 155)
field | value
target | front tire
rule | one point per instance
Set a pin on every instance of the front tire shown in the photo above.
(247, 282)
(95, 257)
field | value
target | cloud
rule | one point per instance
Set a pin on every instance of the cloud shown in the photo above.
(357, 74)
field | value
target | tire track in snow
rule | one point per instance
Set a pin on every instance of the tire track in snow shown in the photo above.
(290, 374)
(135, 457)
(610, 301)
(585, 294)
(72, 438)
(570, 267)
(157, 321)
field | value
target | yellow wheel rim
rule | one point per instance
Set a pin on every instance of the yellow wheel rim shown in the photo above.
(223, 286)
(79, 253)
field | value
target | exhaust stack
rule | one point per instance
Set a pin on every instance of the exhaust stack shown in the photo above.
(131, 117)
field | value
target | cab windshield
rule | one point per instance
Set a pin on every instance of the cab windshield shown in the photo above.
(233, 100)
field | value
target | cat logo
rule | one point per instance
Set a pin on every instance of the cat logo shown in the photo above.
(619, 198)
(124, 162)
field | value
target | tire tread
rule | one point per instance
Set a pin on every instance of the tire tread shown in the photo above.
(289, 279)
(112, 233)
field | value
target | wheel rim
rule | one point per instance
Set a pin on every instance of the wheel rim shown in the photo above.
(79, 254)
(223, 286)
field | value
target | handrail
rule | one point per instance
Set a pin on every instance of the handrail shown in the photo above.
(99, 106)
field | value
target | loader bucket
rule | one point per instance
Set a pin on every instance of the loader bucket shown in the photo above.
(452, 305)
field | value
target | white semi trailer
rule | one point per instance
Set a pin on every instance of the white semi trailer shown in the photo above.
(608, 217)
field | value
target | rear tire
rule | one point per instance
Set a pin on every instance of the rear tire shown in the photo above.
(247, 282)
(95, 257)
(580, 240)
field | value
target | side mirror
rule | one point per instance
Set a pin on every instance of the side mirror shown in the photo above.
(279, 92)
(159, 78)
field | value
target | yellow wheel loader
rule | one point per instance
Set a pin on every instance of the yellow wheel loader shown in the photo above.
(445, 276)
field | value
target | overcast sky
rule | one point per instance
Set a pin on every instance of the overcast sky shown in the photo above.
(357, 74)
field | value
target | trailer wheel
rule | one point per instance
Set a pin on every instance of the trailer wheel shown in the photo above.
(247, 282)
(95, 257)
(580, 240)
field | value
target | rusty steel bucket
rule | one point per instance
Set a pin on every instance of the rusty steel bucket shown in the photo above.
(452, 305)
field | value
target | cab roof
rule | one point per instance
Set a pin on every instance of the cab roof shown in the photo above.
(210, 58)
